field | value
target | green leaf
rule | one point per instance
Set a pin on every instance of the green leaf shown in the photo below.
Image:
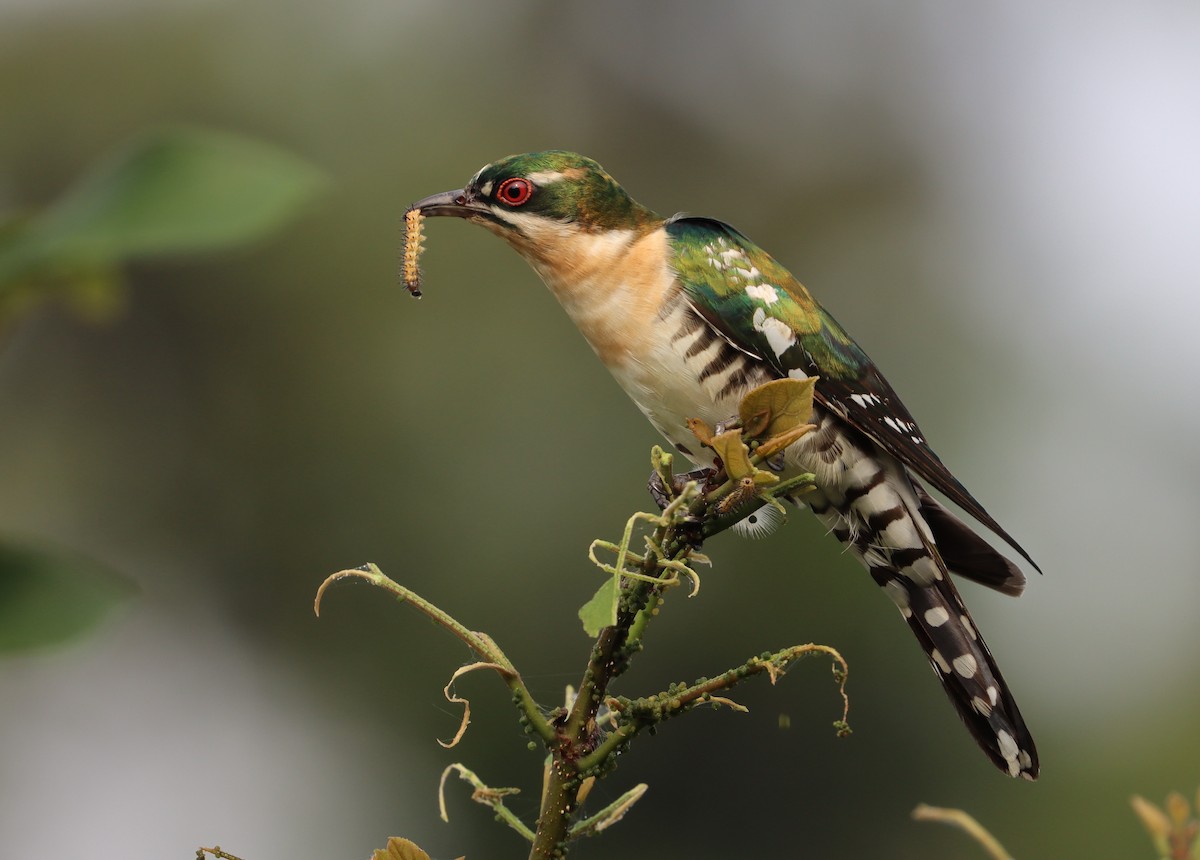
(48, 596)
(601, 610)
(171, 190)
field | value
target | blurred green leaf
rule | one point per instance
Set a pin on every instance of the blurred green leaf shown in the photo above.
(183, 189)
(171, 190)
(48, 596)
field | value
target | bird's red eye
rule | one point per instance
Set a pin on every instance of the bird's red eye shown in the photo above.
(515, 191)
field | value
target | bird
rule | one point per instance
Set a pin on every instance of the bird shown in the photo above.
(689, 315)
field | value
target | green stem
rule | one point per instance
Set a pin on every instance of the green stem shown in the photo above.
(488, 796)
(481, 644)
(605, 663)
(643, 617)
(610, 814)
(641, 713)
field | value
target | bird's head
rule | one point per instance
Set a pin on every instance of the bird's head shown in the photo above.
(539, 200)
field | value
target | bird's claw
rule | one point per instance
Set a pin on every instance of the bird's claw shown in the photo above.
(663, 495)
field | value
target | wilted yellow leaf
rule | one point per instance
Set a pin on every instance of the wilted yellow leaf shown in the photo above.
(458, 700)
(399, 849)
(1177, 809)
(777, 407)
(777, 443)
(1156, 822)
(585, 788)
(701, 431)
(734, 454)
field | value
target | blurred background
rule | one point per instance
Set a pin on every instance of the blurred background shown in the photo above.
(1001, 201)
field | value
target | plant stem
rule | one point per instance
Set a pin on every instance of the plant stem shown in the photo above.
(578, 735)
(960, 819)
(480, 643)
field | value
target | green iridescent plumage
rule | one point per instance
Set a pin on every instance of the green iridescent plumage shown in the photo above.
(589, 196)
(738, 287)
(758, 306)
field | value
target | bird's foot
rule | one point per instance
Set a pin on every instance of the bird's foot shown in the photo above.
(663, 495)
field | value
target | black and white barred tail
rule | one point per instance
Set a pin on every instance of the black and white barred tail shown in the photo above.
(968, 672)
(910, 544)
(870, 502)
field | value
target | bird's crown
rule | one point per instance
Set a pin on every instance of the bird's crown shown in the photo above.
(557, 185)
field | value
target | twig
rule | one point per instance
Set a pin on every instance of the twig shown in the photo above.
(638, 714)
(485, 794)
(960, 819)
(216, 852)
(480, 643)
(609, 815)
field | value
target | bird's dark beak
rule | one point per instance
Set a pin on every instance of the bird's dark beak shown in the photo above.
(459, 204)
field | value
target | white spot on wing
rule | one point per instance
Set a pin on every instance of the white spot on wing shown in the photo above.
(940, 661)
(765, 293)
(937, 616)
(779, 337)
(904, 428)
(966, 666)
(1008, 749)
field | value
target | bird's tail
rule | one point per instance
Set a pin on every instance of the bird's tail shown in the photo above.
(968, 672)
(870, 504)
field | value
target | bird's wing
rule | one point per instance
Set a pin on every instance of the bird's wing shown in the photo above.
(758, 305)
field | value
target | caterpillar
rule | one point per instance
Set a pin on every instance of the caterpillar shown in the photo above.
(414, 243)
